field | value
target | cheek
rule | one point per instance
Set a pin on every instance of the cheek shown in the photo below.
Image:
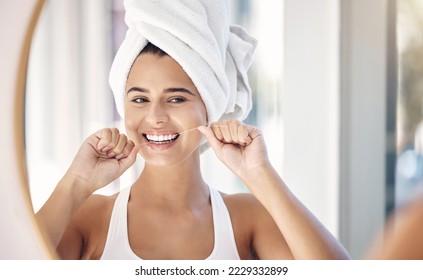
(131, 125)
(200, 113)
(190, 116)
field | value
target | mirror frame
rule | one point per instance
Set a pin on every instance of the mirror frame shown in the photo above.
(23, 238)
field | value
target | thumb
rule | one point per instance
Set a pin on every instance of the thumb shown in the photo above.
(211, 138)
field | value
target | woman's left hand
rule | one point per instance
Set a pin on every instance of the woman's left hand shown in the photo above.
(239, 146)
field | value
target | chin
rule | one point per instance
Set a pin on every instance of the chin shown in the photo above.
(169, 160)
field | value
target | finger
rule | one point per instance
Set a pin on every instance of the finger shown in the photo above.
(115, 138)
(112, 137)
(211, 137)
(225, 131)
(233, 129)
(104, 136)
(128, 161)
(126, 150)
(243, 135)
(216, 131)
(253, 132)
(120, 146)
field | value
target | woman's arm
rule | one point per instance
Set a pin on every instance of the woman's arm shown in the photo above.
(55, 215)
(101, 159)
(242, 149)
(305, 235)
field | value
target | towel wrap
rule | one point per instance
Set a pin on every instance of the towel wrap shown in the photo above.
(198, 35)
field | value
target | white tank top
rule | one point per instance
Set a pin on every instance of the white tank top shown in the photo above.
(117, 243)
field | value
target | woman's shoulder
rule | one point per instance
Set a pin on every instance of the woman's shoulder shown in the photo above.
(242, 198)
(96, 208)
(99, 201)
(247, 209)
(400, 237)
(243, 204)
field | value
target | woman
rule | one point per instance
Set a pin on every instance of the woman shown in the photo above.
(170, 212)
(169, 209)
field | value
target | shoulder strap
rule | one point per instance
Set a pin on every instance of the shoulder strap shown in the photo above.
(117, 244)
(225, 245)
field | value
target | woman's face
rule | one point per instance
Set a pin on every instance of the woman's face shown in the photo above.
(161, 104)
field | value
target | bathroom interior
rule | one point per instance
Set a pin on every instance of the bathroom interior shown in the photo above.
(336, 89)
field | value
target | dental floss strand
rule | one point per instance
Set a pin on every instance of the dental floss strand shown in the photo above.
(182, 132)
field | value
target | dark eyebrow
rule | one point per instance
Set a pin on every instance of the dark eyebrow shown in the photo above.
(168, 90)
(137, 89)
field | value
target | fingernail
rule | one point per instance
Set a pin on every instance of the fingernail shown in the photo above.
(112, 154)
(118, 157)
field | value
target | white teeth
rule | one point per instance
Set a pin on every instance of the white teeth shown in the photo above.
(161, 138)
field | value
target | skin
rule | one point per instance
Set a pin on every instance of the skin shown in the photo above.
(401, 239)
(170, 195)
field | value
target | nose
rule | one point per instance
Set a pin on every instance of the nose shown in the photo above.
(156, 114)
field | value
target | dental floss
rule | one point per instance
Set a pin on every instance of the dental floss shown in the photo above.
(182, 132)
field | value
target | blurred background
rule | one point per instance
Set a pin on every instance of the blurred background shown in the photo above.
(337, 93)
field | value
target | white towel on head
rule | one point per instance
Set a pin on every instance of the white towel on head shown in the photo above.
(198, 35)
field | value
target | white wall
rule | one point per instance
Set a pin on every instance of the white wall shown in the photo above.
(368, 67)
(311, 106)
(339, 70)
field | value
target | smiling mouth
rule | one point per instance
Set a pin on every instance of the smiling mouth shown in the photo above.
(161, 139)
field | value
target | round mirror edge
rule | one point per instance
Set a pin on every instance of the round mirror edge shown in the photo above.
(19, 124)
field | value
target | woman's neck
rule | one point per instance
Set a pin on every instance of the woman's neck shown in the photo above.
(179, 184)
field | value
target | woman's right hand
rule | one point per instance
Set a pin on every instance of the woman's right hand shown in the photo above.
(102, 158)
